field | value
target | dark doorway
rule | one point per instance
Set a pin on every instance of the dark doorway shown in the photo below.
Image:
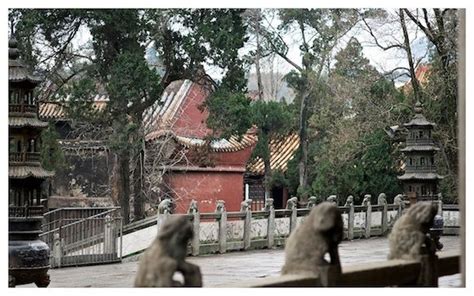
(277, 195)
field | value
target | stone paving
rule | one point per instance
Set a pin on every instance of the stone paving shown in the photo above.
(232, 268)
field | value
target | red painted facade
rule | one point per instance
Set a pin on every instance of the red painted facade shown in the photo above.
(206, 187)
(222, 179)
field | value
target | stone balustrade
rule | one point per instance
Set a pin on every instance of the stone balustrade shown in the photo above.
(223, 231)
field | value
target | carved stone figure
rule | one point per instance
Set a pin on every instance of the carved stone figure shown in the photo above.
(332, 198)
(382, 199)
(166, 256)
(165, 206)
(320, 233)
(291, 203)
(398, 200)
(349, 201)
(366, 200)
(220, 206)
(268, 204)
(312, 202)
(246, 205)
(410, 236)
(193, 207)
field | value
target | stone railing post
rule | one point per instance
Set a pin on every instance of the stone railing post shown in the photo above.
(222, 236)
(293, 218)
(194, 210)
(350, 223)
(195, 244)
(384, 219)
(329, 275)
(247, 228)
(57, 249)
(271, 222)
(109, 237)
(428, 276)
(160, 219)
(440, 208)
(399, 211)
(368, 220)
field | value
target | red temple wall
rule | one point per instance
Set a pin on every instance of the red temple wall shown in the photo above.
(206, 187)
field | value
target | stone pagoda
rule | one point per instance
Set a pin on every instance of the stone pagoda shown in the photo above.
(28, 256)
(420, 180)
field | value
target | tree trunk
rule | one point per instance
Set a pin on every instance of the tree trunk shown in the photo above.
(303, 134)
(267, 168)
(256, 16)
(138, 196)
(115, 181)
(120, 182)
(414, 80)
(138, 170)
(257, 68)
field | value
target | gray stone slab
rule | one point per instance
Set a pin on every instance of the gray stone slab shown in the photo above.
(233, 268)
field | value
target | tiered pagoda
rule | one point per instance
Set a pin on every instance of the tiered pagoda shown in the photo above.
(420, 180)
(28, 256)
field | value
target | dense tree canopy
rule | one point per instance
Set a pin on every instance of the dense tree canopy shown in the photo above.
(114, 63)
(341, 110)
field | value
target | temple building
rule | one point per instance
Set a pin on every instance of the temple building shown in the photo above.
(420, 180)
(180, 160)
(195, 167)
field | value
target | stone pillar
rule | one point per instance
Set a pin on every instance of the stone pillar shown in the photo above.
(293, 218)
(223, 233)
(161, 218)
(57, 249)
(428, 276)
(247, 228)
(195, 244)
(384, 219)
(109, 237)
(271, 224)
(440, 208)
(350, 223)
(368, 220)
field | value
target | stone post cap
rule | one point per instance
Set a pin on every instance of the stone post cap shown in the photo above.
(291, 203)
(193, 207)
(220, 205)
(245, 205)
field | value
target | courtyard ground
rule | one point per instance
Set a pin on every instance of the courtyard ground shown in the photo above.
(232, 268)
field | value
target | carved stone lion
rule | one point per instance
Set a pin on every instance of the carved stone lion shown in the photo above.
(398, 200)
(193, 207)
(366, 200)
(382, 199)
(245, 205)
(332, 198)
(319, 234)
(410, 234)
(166, 256)
(165, 206)
(220, 206)
(291, 203)
(268, 204)
(349, 201)
(312, 202)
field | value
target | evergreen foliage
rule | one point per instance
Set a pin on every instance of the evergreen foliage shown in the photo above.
(52, 156)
